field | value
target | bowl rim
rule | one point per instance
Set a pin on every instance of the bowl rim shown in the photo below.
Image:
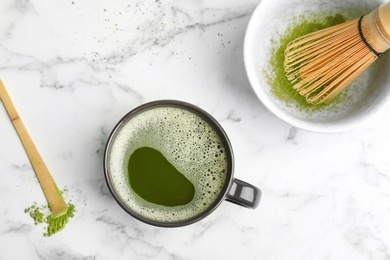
(318, 127)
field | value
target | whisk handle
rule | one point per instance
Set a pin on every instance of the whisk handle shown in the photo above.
(384, 17)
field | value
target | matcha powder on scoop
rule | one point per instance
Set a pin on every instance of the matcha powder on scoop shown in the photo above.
(54, 225)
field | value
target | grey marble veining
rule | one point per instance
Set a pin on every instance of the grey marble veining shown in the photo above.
(74, 68)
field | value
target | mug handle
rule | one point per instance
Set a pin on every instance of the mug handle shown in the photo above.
(243, 194)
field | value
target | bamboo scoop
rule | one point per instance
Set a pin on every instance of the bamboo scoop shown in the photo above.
(53, 195)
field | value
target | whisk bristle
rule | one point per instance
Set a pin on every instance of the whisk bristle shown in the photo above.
(323, 63)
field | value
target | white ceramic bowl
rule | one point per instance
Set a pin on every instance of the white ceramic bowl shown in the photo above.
(366, 95)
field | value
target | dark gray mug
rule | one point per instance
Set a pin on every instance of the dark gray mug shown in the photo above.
(163, 125)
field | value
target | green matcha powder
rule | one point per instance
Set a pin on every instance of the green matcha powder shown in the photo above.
(54, 225)
(280, 86)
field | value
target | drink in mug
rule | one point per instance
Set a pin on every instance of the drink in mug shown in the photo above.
(169, 163)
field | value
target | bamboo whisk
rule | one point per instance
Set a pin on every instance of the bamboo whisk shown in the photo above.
(323, 63)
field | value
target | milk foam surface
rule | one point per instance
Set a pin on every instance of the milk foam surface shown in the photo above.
(188, 142)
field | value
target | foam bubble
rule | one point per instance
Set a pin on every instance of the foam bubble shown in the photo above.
(188, 142)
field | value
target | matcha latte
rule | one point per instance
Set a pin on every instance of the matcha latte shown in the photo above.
(167, 164)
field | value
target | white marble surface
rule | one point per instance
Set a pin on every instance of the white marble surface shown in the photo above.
(75, 67)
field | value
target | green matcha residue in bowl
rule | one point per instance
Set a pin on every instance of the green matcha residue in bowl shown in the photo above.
(281, 88)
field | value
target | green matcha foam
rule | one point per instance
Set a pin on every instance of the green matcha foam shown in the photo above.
(188, 142)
